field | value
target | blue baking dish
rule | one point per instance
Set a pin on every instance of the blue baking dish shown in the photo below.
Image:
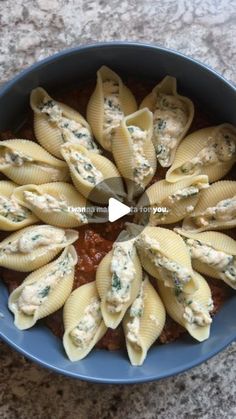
(216, 95)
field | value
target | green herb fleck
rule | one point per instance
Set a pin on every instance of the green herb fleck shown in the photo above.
(161, 124)
(36, 237)
(44, 292)
(116, 283)
(130, 129)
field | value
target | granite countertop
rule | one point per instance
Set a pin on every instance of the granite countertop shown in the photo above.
(32, 30)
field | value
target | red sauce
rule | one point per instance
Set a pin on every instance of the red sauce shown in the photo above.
(91, 247)
(95, 240)
(12, 278)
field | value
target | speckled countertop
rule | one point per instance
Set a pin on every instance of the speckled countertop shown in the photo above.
(31, 30)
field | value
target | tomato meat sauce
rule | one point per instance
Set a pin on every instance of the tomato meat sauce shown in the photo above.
(96, 240)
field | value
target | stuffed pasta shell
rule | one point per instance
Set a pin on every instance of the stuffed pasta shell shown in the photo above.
(172, 117)
(215, 210)
(58, 203)
(133, 151)
(210, 151)
(56, 123)
(118, 279)
(109, 103)
(34, 246)
(25, 161)
(176, 200)
(89, 172)
(43, 291)
(13, 216)
(83, 322)
(192, 311)
(213, 254)
(143, 322)
(164, 255)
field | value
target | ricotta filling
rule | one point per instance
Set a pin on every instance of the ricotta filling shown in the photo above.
(34, 295)
(182, 194)
(220, 261)
(33, 239)
(13, 158)
(195, 313)
(169, 120)
(113, 113)
(71, 131)
(136, 312)
(84, 332)
(10, 209)
(85, 168)
(172, 273)
(123, 273)
(174, 198)
(141, 166)
(48, 203)
(224, 211)
(221, 149)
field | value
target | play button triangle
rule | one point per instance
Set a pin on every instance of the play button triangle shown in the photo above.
(116, 210)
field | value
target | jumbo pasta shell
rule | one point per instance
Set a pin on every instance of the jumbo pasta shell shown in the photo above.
(73, 311)
(157, 196)
(36, 165)
(68, 217)
(151, 324)
(58, 295)
(25, 256)
(217, 241)
(210, 197)
(168, 86)
(95, 109)
(124, 154)
(171, 245)
(50, 135)
(175, 309)
(103, 283)
(191, 146)
(99, 190)
(8, 222)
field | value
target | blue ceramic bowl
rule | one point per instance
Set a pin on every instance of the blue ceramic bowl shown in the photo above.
(144, 61)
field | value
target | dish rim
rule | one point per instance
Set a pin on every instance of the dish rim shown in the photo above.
(80, 376)
(74, 50)
(55, 58)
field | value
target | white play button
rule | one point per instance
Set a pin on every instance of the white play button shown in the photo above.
(116, 210)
